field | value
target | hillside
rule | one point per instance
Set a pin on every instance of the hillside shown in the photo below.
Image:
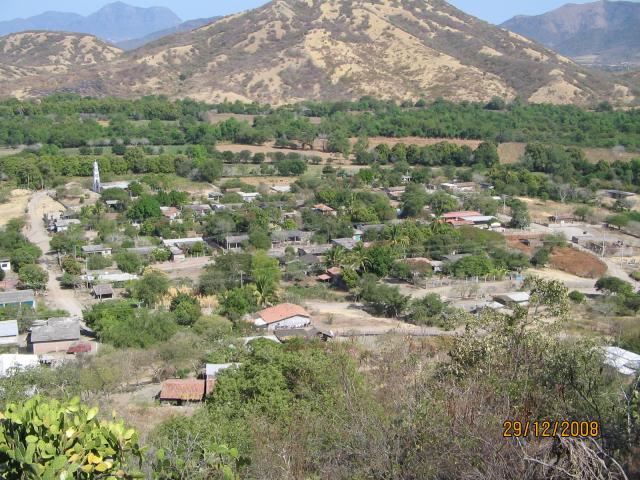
(599, 33)
(290, 50)
(29, 53)
(183, 27)
(115, 22)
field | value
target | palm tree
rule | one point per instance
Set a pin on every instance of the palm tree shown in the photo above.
(335, 257)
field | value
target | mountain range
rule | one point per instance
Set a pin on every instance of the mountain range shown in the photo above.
(603, 33)
(115, 22)
(292, 50)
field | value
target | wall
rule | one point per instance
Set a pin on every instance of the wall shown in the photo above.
(293, 322)
(52, 347)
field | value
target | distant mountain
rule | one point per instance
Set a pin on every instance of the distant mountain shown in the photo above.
(598, 33)
(183, 27)
(115, 22)
(292, 50)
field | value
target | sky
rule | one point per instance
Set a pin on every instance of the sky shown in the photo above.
(495, 11)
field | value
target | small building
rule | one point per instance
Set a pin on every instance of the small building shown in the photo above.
(317, 250)
(18, 298)
(249, 197)
(177, 254)
(619, 194)
(285, 315)
(481, 220)
(624, 361)
(346, 243)
(199, 210)
(5, 265)
(143, 251)
(9, 332)
(10, 362)
(235, 243)
(395, 193)
(182, 242)
(452, 217)
(324, 209)
(460, 187)
(290, 237)
(54, 335)
(170, 213)
(64, 225)
(108, 277)
(513, 298)
(102, 291)
(96, 250)
(190, 390)
(120, 185)
(562, 218)
(453, 258)
(280, 188)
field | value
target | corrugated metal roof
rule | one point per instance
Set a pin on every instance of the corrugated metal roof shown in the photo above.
(94, 248)
(212, 369)
(56, 330)
(9, 328)
(17, 296)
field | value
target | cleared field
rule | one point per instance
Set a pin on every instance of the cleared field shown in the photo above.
(578, 263)
(222, 117)
(16, 207)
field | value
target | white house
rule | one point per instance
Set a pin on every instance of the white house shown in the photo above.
(249, 196)
(285, 315)
(5, 264)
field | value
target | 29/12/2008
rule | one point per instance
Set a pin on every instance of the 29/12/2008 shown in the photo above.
(550, 428)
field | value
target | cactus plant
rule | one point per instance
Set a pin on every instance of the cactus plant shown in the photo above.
(42, 439)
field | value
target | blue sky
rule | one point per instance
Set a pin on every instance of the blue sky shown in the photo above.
(495, 11)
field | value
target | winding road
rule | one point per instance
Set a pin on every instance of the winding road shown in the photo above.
(36, 232)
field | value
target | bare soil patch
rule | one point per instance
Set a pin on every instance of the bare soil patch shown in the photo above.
(16, 207)
(576, 262)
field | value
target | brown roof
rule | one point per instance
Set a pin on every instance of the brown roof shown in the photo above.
(188, 390)
(281, 312)
(102, 290)
(334, 271)
(324, 208)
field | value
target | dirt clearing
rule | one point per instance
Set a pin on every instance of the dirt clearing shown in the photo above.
(16, 207)
(576, 262)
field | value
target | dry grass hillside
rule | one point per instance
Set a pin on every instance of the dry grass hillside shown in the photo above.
(29, 53)
(290, 50)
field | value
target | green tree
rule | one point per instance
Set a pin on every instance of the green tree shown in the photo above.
(265, 272)
(50, 439)
(150, 288)
(621, 220)
(25, 255)
(34, 277)
(441, 202)
(128, 262)
(143, 208)
(414, 199)
(186, 309)
(71, 265)
(487, 154)
(238, 302)
(472, 266)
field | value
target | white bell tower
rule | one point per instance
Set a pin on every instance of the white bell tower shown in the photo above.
(96, 178)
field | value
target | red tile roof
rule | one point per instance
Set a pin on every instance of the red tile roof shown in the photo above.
(188, 390)
(334, 271)
(323, 208)
(281, 312)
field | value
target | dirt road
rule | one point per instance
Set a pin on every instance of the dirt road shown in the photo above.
(39, 204)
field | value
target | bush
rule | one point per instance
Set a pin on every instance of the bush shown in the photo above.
(98, 262)
(541, 257)
(128, 262)
(186, 309)
(577, 297)
(31, 441)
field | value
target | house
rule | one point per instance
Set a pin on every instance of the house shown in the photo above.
(5, 265)
(306, 333)
(624, 361)
(199, 210)
(460, 187)
(395, 193)
(102, 291)
(513, 298)
(181, 242)
(248, 197)
(170, 213)
(54, 335)
(211, 370)
(455, 257)
(315, 249)
(235, 242)
(285, 315)
(346, 243)
(358, 234)
(324, 209)
(10, 362)
(121, 185)
(485, 221)
(185, 391)
(64, 225)
(96, 250)
(290, 237)
(562, 218)
(9, 332)
(177, 254)
(453, 217)
(108, 277)
(18, 298)
(214, 194)
(619, 194)
(144, 251)
(281, 188)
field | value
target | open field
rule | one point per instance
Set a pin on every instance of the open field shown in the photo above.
(576, 262)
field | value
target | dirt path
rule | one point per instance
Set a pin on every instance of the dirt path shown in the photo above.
(39, 204)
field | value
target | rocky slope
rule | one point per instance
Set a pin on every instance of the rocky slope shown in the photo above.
(598, 33)
(290, 50)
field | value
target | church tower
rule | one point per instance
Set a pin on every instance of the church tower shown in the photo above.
(96, 178)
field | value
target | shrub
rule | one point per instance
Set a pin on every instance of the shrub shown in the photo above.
(577, 297)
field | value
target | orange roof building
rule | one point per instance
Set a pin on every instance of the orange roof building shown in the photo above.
(285, 315)
(187, 390)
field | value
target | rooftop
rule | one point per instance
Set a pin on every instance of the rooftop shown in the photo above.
(102, 290)
(282, 312)
(56, 330)
(9, 328)
(190, 390)
(212, 369)
(467, 213)
(95, 248)
(17, 296)
(626, 362)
